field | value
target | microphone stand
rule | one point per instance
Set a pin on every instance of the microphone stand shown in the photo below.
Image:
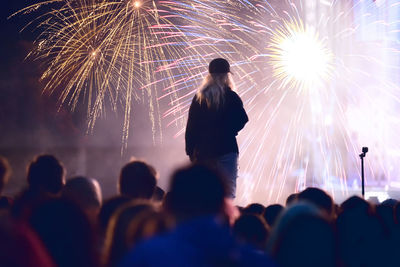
(362, 156)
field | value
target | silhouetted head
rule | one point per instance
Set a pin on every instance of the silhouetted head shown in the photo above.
(271, 213)
(196, 190)
(386, 215)
(218, 80)
(251, 229)
(355, 203)
(390, 202)
(66, 232)
(303, 236)
(254, 208)
(319, 198)
(86, 192)
(291, 199)
(361, 234)
(137, 180)
(219, 65)
(5, 171)
(46, 174)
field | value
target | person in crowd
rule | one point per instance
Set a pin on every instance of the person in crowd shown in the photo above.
(131, 225)
(137, 180)
(319, 198)
(148, 224)
(362, 236)
(216, 115)
(66, 232)
(116, 242)
(254, 208)
(46, 178)
(86, 192)
(5, 173)
(252, 229)
(46, 174)
(109, 207)
(20, 246)
(202, 236)
(291, 199)
(272, 213)
(303, 236)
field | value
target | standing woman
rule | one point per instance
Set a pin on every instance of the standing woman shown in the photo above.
(216, 115)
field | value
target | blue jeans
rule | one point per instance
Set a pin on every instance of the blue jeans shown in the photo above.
(228, 165)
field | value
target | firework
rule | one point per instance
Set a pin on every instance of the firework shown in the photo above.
(108, 53)
(298, 57)
(318, 85)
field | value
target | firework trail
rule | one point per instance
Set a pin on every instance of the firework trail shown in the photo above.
(317, 85)
(108, 54)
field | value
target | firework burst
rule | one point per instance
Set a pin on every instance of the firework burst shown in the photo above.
(298, 57)
(314, 86)
(108, 53)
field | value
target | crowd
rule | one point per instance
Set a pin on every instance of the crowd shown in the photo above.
(54, 222)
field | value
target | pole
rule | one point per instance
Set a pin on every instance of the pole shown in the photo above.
(362, 178)
(362, 156)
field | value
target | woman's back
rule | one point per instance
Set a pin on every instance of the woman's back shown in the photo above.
(211, 131)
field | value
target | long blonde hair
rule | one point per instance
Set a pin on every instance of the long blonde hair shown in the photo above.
(212, 90)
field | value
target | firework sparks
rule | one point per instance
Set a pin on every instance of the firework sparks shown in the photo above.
(306, 77)
(298, 57)
(103, 52)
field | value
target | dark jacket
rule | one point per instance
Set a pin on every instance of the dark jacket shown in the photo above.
(212, 133)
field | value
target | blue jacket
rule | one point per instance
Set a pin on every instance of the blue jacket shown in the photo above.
(200, 242)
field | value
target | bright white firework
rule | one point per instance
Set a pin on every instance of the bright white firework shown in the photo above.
(299, 58)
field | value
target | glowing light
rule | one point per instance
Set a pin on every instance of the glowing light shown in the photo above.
(299, 57)
(137, 4)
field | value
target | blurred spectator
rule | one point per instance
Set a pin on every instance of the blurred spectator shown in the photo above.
(254, 208)
(251, 229)
(46, 174)
(66, 232)
(5, 173)
(202, 238)
(137, 180)
(291, 199)
(86, 192)
(303, 236)
(117, 243)
(45, 179)
(272, 213)
(20, 246)
(109, 207)
(361, 235)
(147, 224)
(319, 198)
